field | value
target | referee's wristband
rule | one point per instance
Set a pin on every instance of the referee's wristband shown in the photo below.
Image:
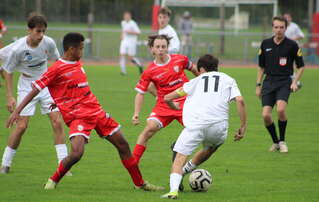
(258, 84)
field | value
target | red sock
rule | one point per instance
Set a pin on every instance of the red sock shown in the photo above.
(131, 165)
(59, 173)
(138, 152)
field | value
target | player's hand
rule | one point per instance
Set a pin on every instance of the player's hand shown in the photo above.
(176, 105)
(135, 120)
(12, 119)
(258, 91)
(11, 103)
(52, 106)
(239, 134)
(294, 87)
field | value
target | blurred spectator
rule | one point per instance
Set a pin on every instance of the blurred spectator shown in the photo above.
(186, 28)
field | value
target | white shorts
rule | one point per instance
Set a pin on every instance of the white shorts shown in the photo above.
(43, 98)
(212, 136)
(128, 48)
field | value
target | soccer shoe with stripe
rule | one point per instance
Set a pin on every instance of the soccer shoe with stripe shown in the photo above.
(149, 187)
(283, 147)
(170, 195)
(274, 147)
(50, 184)
(69, 174)
(4, 169)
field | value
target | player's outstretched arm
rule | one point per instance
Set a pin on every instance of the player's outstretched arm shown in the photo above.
(11, 101)
(243, 118)
(15, 114)
(194, 70)
(173, 95)
(139, 100)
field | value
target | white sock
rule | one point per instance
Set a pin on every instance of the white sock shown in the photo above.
(122, 64)
(61, 151)
(136, 61)
(174, 181)
(189, 167)
(8, 155)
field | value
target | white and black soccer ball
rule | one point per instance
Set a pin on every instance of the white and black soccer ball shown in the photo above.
(200, 180)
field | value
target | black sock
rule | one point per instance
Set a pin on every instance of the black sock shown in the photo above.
(282, 129)
(272, 130)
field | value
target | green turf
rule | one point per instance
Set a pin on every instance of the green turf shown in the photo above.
(242, 171)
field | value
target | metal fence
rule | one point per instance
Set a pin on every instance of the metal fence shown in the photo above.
(241, 47)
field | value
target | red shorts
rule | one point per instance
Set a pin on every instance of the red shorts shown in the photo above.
(165, 120)
(103, 124)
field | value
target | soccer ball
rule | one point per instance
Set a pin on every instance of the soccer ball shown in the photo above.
(200, 180)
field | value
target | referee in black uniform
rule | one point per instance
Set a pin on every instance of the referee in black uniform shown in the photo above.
(276, 57)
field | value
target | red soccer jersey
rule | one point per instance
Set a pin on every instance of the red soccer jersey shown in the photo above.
(69, 88)
(166, 78)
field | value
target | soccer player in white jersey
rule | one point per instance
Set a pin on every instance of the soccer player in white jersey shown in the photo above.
(293, 32)
(29, 56)
(205, 116)
(166, 29)
(130, 31)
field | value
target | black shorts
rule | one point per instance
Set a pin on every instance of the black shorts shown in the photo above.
(274, 89)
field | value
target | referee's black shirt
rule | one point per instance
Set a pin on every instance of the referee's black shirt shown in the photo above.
(277, 60)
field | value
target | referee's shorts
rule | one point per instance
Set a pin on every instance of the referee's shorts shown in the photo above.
(275, 88)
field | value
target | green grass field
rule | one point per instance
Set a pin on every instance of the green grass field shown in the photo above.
(242, 171)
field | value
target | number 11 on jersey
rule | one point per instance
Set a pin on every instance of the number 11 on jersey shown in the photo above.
(207, 80)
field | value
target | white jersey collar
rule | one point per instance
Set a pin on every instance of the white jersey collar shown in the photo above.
(169, 59)
(67, 61)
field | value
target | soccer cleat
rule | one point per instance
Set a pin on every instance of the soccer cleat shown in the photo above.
(69, 174)
(50, 184)
(170, 195)
(283, 147)
(149, 187)
(4, 169)
(274, 147)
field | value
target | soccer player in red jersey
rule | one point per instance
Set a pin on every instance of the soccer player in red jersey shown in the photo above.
(81, 111)
(167, 74)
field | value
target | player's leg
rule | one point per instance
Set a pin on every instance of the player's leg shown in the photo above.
(282, 124)
(176, 176)
(123, 53)
(268, 102)
(13, 143)
(132, 58)
(77, 150)
(186, 143)
(110, 130)
(137, 62)
(152, 126)
(56, 123)
(59, 135)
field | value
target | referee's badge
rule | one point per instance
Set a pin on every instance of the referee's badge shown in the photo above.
(282, 61)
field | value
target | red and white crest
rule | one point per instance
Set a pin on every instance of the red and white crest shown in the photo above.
(282, 61)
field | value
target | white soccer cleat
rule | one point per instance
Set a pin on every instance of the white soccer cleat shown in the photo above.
(50, 184)
(274, 147)
(4, 169)
(283, 147)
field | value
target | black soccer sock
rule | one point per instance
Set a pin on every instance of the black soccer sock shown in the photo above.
(272, 131)
(282, 129)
